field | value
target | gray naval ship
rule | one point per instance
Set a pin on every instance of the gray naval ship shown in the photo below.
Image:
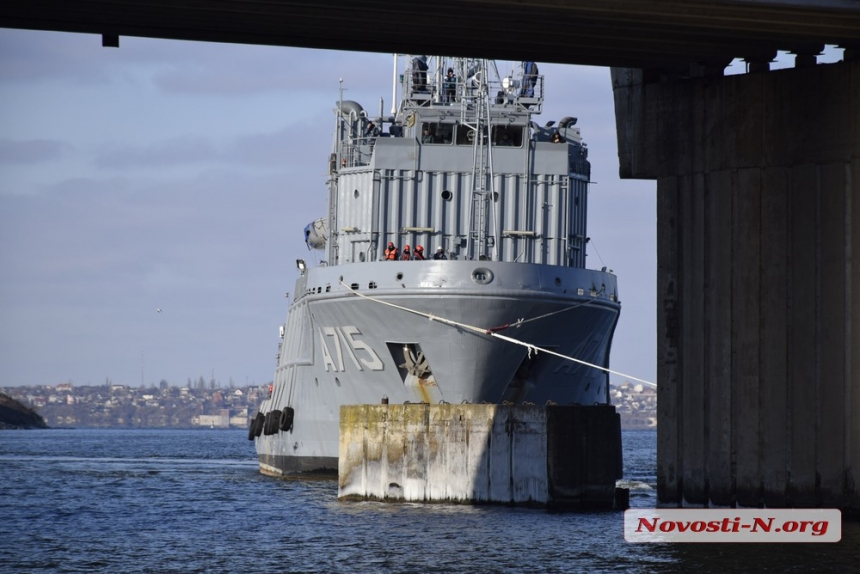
(453, 264)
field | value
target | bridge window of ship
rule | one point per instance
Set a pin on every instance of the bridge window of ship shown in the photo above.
(437, 133)
(466, 135)
(507, 136)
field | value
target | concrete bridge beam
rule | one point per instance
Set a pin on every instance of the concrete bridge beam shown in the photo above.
(758, 202)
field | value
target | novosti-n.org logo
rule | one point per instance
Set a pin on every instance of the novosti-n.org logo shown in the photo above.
(732, 525)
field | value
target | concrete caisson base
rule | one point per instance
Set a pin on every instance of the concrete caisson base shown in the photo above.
(554, 456)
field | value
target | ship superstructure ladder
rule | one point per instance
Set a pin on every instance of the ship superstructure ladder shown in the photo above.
(481, 237)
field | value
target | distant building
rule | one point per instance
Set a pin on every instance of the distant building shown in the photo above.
(239, 421)
(211, 421)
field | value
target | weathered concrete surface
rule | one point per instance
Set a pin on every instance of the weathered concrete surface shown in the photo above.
(480, 453)
(758, 282)
(583, 454)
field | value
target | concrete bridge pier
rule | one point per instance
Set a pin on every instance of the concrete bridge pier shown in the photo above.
(758, 217)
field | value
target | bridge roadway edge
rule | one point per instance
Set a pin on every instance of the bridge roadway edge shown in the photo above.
(758, 286)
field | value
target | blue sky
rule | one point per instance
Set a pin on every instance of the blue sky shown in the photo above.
(180, 176)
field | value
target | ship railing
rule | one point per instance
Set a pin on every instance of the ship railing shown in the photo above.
(356, 152)
(425, 88)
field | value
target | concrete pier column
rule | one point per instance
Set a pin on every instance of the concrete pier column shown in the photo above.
(558, 456)
(758, 207)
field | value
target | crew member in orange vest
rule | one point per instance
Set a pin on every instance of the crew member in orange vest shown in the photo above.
(407, 255)
(419, 253)
(391, 252)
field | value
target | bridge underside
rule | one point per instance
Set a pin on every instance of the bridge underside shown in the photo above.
(758, 198)
(652, 34)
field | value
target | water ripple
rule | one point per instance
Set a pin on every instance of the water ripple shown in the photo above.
(193, 501)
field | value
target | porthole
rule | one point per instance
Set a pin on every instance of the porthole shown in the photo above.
(447, 195)
(482, 276)
(558, 281)
(399, 276)
(355, 194)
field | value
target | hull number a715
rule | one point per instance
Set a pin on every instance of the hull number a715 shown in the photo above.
(341, 339)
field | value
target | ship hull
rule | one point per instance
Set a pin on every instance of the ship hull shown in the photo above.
(420, 331)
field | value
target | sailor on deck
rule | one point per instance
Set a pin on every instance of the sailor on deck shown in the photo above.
(440, 253)
(371, 132)
(449, 86)
(407, 254)
(391, 252)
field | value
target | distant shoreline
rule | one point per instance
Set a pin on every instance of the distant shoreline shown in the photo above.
(16, 416)
(201, 406)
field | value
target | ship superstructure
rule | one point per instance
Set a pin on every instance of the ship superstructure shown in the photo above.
(497, 205)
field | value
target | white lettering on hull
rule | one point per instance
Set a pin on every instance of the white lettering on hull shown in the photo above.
(359, 352)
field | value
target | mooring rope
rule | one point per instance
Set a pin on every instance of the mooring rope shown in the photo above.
(494, 333)
(519, 322)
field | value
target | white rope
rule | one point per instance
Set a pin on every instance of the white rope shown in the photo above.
(474, 329)
(519, 322)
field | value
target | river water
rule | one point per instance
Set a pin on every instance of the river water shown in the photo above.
(111, 500)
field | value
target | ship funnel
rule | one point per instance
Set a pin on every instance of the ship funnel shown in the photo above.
(348, 107)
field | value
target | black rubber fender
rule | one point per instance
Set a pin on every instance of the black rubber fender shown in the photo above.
(258, 424)
(285, 422)
(272, 418)
(267, 424)
(252, 429)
